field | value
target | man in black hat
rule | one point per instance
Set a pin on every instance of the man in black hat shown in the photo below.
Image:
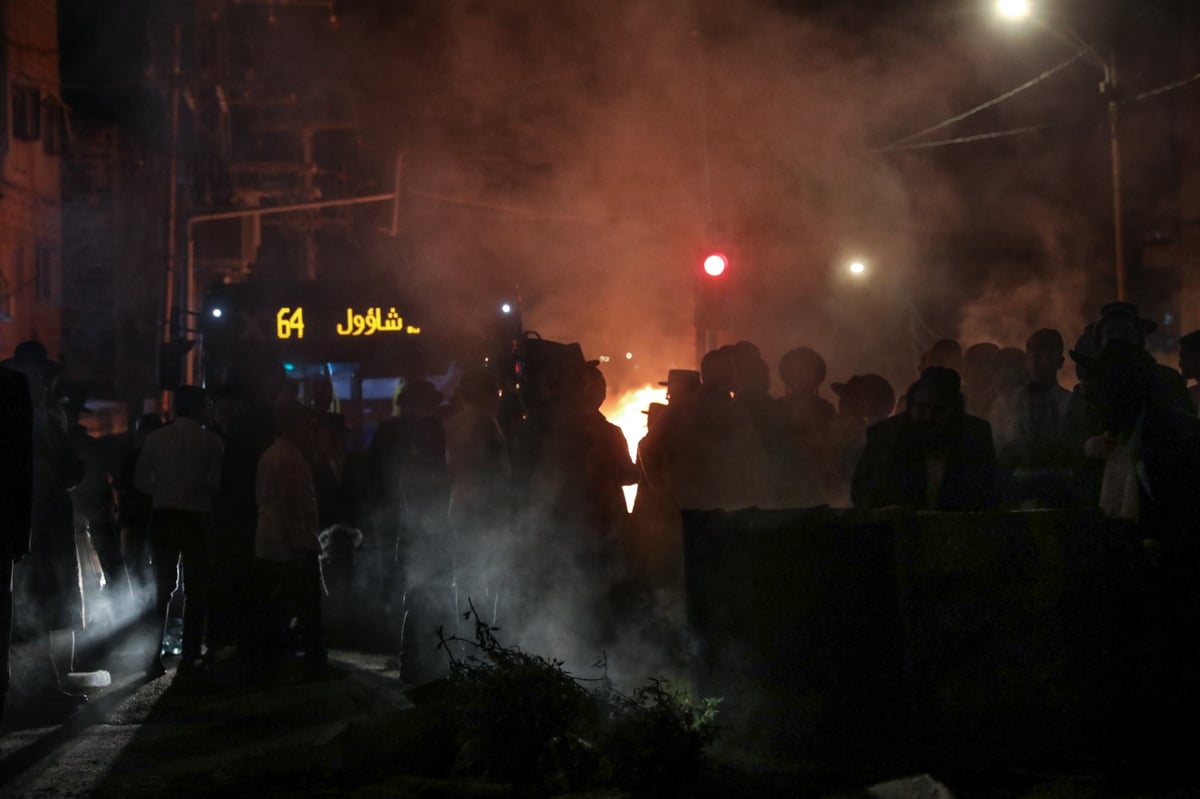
(931, 457)
(1151, 469)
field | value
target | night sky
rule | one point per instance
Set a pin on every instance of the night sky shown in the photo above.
(590, 154)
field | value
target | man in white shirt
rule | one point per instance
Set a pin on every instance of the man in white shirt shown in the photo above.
(286, 546)
(180, 469)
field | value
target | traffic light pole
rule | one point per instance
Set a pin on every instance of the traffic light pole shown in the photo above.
(706, 342)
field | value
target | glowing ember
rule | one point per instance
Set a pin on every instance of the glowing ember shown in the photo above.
(625, 411)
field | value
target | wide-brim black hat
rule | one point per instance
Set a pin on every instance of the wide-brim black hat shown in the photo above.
(1128, 309)
(419, 394)
(32, 355)
(1118, 356)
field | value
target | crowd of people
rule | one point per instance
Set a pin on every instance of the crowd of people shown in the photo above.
(252, 510)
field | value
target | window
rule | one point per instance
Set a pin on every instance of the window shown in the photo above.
(26, 112)
(55, 138)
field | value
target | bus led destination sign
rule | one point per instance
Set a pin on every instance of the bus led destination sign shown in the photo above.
(289, 323)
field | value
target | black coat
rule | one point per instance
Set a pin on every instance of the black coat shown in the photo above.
(16, 464)
(893, 471)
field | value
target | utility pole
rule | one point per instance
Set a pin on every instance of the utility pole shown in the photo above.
(170, 287)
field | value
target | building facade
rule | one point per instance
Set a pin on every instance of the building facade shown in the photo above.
(33, 130)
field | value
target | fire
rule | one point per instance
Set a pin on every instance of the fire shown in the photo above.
(626, 412)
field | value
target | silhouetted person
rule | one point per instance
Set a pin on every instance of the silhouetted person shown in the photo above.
(946, 353)
(863, 400)
(796, 476)
(1151, 455)
(47, 589)
(339, 476)
(16, 500)
(681, 384)
(979, 366)
(1029, 426)
(610, 466)
(932, 457)
(705, 453)
(133, 510)
(1189, 363)
(94, 501)
(1009, 373)
(481, 501)
(806, 414)
(653, 545)
(248, 429)
(321, 394)
(180, 468)
(411, 489)
(286, 548)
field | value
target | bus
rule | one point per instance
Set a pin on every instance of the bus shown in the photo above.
(365, 339)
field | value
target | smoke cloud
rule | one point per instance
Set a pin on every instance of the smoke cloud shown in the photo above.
(590, 155)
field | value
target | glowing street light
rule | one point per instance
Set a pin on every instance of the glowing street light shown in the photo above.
(857, 268)
(1013, 9)
(1017, 10)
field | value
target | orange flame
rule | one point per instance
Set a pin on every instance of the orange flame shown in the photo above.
(626, 412)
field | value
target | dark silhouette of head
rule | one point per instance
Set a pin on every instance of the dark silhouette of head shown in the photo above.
(1044, 356)
(946, 353)
(935, 407)
(802, 370)
(191, 402)
(717, 372)
(294, 423)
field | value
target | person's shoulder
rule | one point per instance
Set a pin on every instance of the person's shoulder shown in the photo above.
(976, 423)
(886, 426)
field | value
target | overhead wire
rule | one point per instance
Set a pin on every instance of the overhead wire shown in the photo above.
(985, 105)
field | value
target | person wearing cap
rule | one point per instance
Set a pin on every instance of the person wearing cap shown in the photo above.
(1029, 425)
(934, 456)
(807, 415)
(180, 468)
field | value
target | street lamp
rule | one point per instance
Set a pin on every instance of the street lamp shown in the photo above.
(1017, 10)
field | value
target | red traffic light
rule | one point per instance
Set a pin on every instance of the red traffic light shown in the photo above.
(715, 264)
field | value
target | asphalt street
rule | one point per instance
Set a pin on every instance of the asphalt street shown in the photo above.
(197, 736)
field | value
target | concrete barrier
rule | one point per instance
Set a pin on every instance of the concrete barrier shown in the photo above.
(964, 637)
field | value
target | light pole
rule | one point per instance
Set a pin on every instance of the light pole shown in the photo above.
(1021, 10)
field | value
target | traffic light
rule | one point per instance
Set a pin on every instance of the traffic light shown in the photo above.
(712, 292)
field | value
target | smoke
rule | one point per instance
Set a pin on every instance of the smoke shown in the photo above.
(590, 153)
(590, 156)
